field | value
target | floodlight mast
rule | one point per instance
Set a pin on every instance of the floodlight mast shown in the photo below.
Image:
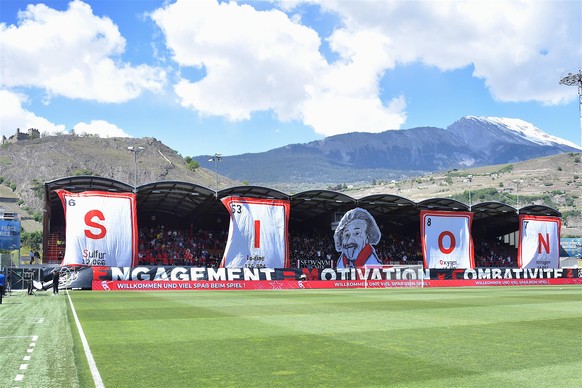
(135, 150)
(575, 79)
(216, 158)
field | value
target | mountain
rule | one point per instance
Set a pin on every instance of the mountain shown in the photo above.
(553, 180)
(396, 154)
(503, 140)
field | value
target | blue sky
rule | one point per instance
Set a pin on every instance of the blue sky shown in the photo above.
(236, 77)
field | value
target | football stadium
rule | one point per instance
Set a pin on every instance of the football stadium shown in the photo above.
(173, 284)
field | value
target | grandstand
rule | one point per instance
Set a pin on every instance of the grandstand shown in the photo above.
(195, 212)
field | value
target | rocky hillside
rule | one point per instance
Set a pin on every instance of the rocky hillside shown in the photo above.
(555, 180)
(26, 165)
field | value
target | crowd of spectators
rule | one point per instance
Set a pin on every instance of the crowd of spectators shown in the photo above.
(494, 253)
(164, 246)
(305, 246)
(391, 249)
(203, 248)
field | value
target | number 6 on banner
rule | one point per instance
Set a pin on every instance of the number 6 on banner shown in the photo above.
(101, 228)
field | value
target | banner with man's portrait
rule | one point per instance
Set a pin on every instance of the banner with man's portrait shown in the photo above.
(355, 237)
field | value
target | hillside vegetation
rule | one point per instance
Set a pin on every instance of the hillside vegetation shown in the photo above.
(25, 166)
(554, 181)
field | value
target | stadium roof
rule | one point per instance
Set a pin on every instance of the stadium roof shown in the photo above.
(396, 214)
(492, 209)
(253, 192)
(539, 210)
(77, 184)
(385, 204)
(494, 219)
(446, 204)
(188, 200)
(314, 203)
(178, 198)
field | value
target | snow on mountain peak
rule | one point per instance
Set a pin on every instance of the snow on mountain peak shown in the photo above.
(524, 129)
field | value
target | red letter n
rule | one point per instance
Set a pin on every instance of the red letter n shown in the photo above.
(545, 243)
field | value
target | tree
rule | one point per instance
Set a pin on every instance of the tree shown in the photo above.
(32, 239)
(192, 164)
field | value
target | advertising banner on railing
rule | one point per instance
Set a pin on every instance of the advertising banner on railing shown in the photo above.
(194, 278)
(9, 235)
(315, 263)
(572, 247)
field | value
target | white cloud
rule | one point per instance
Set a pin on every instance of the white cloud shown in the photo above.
(100, 128)
(333, 114)
(519, 47)
(268, 60)
(254, 61)
(72, 53)
(13, 116)
(257, 61)
(260, 61)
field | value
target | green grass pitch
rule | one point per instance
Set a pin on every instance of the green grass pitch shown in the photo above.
(448, 337)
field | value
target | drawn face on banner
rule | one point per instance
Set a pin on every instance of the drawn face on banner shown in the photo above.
(354, 238)
(356, 229)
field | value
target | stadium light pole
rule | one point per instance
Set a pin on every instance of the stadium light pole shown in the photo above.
(469, 180)
(135, 150)
(216, 158)
(517, 182)
(575, 79)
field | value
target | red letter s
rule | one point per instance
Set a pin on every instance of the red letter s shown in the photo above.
(89, 222)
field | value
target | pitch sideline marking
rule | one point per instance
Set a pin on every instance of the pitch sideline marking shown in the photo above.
(16, 336)
(92, 365)
(20, 377)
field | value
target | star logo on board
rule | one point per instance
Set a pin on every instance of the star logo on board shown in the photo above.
(276, 285)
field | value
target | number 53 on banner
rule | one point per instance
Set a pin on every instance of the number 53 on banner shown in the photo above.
(257, 235)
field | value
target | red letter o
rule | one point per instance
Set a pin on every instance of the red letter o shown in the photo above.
(451, 247)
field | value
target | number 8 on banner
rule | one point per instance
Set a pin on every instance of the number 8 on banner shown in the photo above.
(446, 239)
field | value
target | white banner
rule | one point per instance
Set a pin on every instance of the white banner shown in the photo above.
(101, 228)
(257, 236)
(539, 242)
(446, 239)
